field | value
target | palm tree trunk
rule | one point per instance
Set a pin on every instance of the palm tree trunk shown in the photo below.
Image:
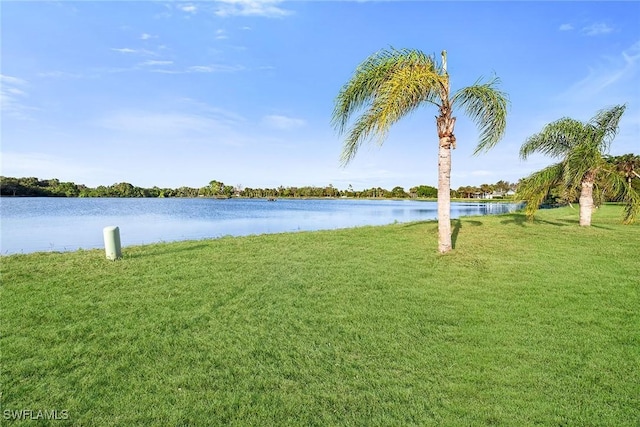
(586, 199)
(447, 141)
(444, 196)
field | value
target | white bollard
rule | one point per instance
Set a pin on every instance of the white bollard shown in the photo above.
(112, 242)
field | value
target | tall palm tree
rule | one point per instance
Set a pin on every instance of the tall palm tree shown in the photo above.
(583, 167)
(392, 83)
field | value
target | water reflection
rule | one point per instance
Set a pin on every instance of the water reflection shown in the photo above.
(60, 224)
(424, 211)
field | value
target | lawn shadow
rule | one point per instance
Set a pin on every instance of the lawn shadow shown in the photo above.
(457, 225)
(577, 222)
(521, 220)
(517, 219)
(570, 221)
(158, 249)
(420, 223)
(600, 227)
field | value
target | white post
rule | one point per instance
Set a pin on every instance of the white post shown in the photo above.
(112, 242)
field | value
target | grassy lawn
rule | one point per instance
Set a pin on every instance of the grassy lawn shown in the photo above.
(522, 324)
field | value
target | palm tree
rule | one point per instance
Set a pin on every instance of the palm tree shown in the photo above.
(627, 165)
(392, 83)
(583, 167)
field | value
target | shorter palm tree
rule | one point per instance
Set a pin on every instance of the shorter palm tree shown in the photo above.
(583, 171)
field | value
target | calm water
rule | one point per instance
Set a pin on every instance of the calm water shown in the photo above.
(61, 224)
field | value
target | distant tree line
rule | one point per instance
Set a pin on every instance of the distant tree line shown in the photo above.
(628, 165)
(34, 187)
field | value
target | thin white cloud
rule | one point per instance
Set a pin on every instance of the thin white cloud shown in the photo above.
(221, 35)
(124, 50)
(215, 68)
(202, 69)
(16, 91)
(282, 122)
(60, 75)
(147, 36)
(158, 123)
(186, 116)
(165, 71)
(184, 124)
(202, 108)
(596, 29)
(264, 8)
(152, 63)
(4, 79)
(129, 51)
(189, 8)
(12, 95)
(612, 76)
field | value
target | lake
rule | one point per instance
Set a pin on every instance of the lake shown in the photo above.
(32, 224)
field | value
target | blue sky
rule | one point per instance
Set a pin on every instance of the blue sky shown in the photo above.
(174, 93)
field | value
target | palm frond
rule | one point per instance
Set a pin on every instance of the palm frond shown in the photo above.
(361, 88)
(537, 186)
(487, 107)
(411, 84)
(555, 140)
(363, 129)
(589, 153)
(388, 85)
(605, 126)
(580, 161)
(616, 187)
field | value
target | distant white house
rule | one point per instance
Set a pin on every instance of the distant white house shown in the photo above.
(495, 195)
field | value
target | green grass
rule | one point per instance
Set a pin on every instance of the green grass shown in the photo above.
(522, 324)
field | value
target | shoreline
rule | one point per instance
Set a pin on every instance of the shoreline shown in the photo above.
(137, 240)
